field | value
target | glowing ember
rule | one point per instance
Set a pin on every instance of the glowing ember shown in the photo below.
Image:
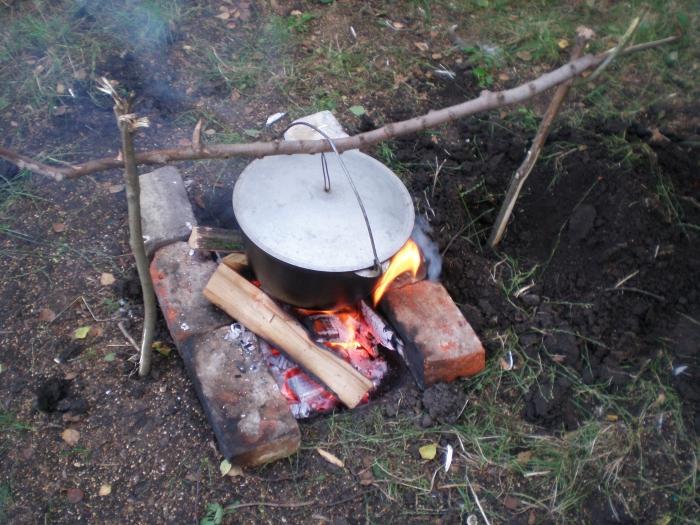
(407, 259)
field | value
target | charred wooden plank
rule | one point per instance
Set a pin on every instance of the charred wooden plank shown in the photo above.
(215, 239)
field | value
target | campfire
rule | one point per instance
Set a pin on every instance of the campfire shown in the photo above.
(357, 334)
(328, 298)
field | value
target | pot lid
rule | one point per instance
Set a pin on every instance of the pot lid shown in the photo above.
(281, 205)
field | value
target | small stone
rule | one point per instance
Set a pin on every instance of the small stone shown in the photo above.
(531, 299)
(426, 421)
(74, 495)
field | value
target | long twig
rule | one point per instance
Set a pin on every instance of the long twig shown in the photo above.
(487, 101)
(523, 172)
(128, 123)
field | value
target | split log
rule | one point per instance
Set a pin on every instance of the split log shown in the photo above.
(260, 314)
(215, 239)
(237, 261)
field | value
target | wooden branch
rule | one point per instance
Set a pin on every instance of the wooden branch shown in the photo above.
(260, 314)
(485, 102)
(26, 163)
(127, 123)
(215, 239)
(523, 172)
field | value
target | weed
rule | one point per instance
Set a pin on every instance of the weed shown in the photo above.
(512, 278)
(9, 423)
(5, 499)
(300, 23)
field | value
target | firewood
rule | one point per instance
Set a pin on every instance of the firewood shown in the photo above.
(260, 314)
(215, 239)
(237, 261)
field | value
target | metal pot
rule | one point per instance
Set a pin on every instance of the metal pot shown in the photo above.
(317, 236)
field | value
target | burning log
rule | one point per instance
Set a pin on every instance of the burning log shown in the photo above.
(215, 239)
(260, 314)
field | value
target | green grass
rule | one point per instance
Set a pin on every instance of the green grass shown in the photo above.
(9, 423)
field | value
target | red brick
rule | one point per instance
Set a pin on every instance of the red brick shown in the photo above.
(248, 413)
(440, 343)
(179, 276)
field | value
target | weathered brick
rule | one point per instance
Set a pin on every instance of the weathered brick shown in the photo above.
(166, 211)
(248, 413)
(179, 276)
(440, 343)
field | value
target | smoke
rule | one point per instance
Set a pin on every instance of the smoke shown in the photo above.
(428, 247)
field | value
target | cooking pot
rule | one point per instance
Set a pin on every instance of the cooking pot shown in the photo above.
(319, 231)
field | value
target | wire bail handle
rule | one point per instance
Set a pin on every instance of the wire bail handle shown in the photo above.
(327, 183)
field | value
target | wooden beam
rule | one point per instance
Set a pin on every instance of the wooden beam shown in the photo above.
(260, 314)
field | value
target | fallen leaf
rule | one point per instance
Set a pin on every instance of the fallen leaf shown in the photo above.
(448, 457)
(612, 417)
(398, 25)
(358, 111)
(503, 77)
(2, 368)
(251, 132)
(47, 315)
(330, 458)
(58, 227)
(227, 469)
(74, 495)
(423, 46)
(106, 279)
(428, 451)
(558, 358)
(110, 357)
(225, 15)
(274, 118)
(511, 503)
(563, 43)
(115, 188)
(96, 331)
(657, 137)
(366, 477)
(161, 348)
(70, 436)
(60, 88)
(81, 333)
(105, 490)
(524, 55)
(523, 458)
(585, 32)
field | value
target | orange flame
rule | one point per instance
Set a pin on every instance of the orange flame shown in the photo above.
(407, 259)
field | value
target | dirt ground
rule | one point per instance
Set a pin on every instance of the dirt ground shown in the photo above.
(589, 308)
